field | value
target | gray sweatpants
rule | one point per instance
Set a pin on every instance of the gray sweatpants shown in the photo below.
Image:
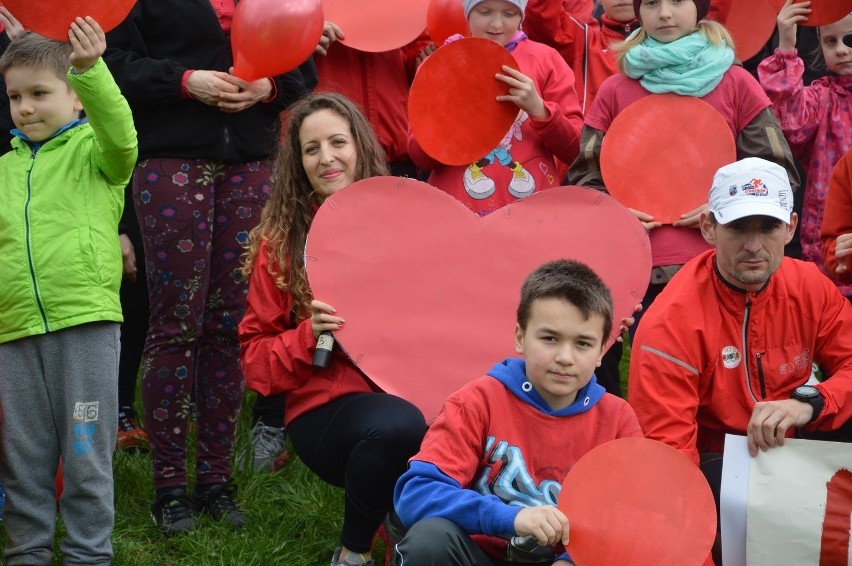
(59, 397)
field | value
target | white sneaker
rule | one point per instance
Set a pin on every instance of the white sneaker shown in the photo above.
(478, 184)
(267, 443)
(522, 183)
(352, 559)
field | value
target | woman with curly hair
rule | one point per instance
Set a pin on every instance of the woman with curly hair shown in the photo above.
(343, 428)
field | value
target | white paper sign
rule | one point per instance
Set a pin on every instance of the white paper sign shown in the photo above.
(789, 505)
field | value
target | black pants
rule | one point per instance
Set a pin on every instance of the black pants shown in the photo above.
(134, 308)
(440, 542)
(361, 442)
(268, 410)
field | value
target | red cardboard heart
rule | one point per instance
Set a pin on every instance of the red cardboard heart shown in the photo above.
(429, 289)
(658, 508)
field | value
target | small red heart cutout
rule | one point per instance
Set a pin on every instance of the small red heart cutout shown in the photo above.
(429, 289)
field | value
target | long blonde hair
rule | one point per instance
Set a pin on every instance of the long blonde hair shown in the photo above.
(715, 33)
(287, 215)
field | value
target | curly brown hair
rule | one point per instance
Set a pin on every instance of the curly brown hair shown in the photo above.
(292, 203)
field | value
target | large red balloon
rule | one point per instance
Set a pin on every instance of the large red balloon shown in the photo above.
(445, 18)
(52, 18)
(270, 37)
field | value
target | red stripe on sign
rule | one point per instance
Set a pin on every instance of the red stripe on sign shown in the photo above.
(834, 546)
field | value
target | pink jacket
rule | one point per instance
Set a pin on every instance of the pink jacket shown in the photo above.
(817, 121)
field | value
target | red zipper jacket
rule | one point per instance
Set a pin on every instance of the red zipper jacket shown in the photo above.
(276, 352)
(706, 352)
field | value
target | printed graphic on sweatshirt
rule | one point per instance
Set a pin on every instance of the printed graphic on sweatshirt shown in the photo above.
(480, 186)
(513, 483)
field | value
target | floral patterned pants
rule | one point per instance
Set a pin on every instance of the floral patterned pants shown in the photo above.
(195, 217)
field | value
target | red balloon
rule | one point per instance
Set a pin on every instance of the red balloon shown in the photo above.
(52, 18)
(270, 37)
(445, 18)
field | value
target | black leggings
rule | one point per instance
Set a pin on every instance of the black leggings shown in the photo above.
(361, 442)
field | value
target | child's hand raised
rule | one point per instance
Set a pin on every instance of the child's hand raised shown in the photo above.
(546, 523)
(522, 93)
(87, 39)
(789, 18)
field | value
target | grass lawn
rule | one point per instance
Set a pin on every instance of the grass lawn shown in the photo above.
(295, 518)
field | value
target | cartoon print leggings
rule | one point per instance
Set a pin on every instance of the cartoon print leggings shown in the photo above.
(195, 216)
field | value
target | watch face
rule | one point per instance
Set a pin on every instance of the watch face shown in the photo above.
(807, 391)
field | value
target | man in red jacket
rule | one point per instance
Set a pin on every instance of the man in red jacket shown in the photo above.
(729, 345)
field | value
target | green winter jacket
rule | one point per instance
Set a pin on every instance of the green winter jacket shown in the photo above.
(60, 203)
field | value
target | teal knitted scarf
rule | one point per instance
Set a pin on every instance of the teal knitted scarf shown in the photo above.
(689, 66)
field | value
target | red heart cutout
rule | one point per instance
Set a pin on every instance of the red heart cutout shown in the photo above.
(658, 507)
(429, 289)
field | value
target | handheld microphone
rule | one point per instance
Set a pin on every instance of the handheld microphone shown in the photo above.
(322, 355)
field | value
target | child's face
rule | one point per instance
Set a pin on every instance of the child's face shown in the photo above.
(40, 101)
(561, 349)
(619, 10)
(837, 55)
(668, 20)
(496, 20)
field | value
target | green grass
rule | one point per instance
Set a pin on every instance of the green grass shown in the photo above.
(294, 517)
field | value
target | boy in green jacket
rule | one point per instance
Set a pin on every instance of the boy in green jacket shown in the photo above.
(61, 189)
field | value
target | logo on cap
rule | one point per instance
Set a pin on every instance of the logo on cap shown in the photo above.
(732, 190)
(755, 188)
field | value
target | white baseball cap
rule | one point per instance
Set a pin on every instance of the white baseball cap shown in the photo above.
(751, 187)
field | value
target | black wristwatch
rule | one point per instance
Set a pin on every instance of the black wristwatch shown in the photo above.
(810, 395)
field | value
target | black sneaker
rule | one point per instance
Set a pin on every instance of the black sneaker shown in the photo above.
(174, 513)
(217, 500)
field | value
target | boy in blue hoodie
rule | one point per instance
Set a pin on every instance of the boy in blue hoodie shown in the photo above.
(484, 486)
(61, 189)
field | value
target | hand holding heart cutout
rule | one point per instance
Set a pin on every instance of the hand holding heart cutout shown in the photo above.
(429, 289)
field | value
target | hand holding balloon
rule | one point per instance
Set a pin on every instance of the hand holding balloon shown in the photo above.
(248, 93)
(208, 86)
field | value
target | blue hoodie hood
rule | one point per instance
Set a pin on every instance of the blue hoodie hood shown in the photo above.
(511, 372)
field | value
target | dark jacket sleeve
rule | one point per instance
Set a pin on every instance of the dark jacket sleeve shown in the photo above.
(763, 137)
